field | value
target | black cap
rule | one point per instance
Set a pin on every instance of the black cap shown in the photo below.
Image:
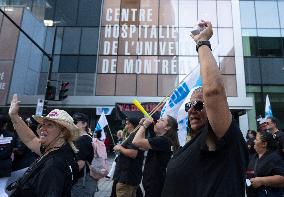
(80, 117)
(134, 121)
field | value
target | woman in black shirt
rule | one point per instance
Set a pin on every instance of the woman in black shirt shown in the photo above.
(160, 148)
(56, 170)
(266, 167)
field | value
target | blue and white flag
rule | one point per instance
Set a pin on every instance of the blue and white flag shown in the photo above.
(268, 110)
(106, 110)
(101, 125)
(176, 100)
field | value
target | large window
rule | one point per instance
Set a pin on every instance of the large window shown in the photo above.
(147, 45)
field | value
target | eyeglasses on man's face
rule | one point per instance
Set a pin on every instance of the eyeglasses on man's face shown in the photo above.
(197, 106)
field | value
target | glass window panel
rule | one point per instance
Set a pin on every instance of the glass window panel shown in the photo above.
(266, 14)
(281, 13)
(128, 64)
(187, 64)
(49, 9)
(149, 42)
(71, 40)
(247, 11)
(166, 83)
(227, 65)
(207, 11)
(66, 12)
(8, 39)
(168, 12)
(224, 11)
(58, 42)
(187, 13)
(85, 84)
(268, 32)
(111, 12)
(125, 85)
(271, 69)
(282, 33)
(249, 32)
(214, 42)
(129, 45)
(55, 65)
(49, 39)
(147, 85)
(68, 64)
(168, 41)
(107, 64)
(270, 46)
(226, 42)
(133, 16)
(250, 42)
(87, 64)
(38, 9)
(252, 70)
(109, 40)
(187, 46)
(168, 65)
(105, 85)
(89, 12)
(142, 64)
(89, 41)
(230, 83)
(151, 8)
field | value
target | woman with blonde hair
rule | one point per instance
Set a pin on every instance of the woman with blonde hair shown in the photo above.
(55, 171)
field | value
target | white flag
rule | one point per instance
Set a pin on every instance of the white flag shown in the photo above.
(268, 110)
(101, 125)
(176, 102)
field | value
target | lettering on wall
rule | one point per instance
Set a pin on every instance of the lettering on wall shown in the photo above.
(140, 47)
(5, 74)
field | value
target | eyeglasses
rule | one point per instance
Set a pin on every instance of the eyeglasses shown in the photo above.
(197, 106)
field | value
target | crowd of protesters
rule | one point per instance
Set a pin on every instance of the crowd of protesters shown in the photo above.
(215, 162)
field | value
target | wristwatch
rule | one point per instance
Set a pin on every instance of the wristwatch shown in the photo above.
(203, 42)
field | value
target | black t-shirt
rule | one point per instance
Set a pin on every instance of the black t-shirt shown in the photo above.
(155, 165)
(279, 135)
(195, 171)
(86, 151)
(128, 170)
(7, 143)
(53, 176)
(268, 165)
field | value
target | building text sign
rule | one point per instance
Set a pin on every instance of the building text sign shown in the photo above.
(5, 74)
(132, 43)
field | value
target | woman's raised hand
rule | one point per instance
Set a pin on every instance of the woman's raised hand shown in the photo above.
(14, 107)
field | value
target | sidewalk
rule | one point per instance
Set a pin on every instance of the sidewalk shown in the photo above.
(105, 184)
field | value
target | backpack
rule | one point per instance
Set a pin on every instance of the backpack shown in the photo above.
(99, 165)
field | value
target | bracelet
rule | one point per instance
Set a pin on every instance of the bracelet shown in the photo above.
(201, 43)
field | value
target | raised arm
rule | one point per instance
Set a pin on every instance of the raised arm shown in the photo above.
(25, 133)
(139, 139)
(214, 94)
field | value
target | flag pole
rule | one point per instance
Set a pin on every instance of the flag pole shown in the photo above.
(110, 134)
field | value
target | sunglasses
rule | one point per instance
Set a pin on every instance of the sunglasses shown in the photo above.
(197, 106)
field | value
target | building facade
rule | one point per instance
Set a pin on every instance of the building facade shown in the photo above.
(112, 51)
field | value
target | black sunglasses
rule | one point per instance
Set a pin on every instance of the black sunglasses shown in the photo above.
(197, 106)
